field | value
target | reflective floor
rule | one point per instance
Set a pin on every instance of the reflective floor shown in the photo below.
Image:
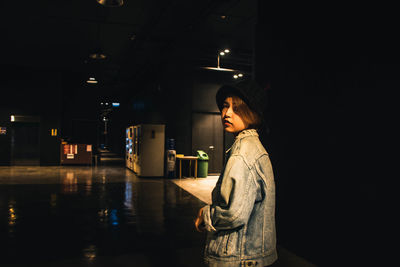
(100, 216)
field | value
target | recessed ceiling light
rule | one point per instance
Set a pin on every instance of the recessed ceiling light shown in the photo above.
(97, 56)
(111, 3)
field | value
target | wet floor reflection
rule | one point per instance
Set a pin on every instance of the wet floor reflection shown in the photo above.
(70, 183)
(90, 253)
(12, 217)
(89, 214)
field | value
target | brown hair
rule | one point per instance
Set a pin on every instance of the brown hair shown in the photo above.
(250, 117)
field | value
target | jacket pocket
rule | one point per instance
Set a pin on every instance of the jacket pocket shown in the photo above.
(232, 243)
(223, 243)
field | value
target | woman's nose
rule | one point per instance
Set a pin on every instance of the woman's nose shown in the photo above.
(229, 112)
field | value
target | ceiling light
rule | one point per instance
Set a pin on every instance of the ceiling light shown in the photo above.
(111, 3)
(91, 80)
(221, 53)
(217, 68)
(97, 56)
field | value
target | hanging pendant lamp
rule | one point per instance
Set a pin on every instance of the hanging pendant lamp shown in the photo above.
(111, 3)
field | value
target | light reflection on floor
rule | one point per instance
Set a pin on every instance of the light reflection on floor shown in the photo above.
(199, 187)
(103, 215)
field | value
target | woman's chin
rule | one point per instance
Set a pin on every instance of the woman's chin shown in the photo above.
(229, 129)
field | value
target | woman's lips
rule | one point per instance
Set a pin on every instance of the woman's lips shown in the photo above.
(227, 123)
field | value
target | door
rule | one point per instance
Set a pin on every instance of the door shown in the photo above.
(25, 144)
(207, 135)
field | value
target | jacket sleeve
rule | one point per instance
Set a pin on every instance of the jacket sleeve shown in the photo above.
(236, 198)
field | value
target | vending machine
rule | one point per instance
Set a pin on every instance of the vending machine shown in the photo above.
(135, 148)
(148, 146)
(129, 148)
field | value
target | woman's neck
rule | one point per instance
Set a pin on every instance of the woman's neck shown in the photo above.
(237, 133)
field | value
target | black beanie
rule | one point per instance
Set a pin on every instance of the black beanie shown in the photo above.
(249, 91)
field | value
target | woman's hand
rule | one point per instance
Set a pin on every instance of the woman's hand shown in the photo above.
(199, 222)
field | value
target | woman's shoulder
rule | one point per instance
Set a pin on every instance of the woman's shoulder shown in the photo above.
(251, 149)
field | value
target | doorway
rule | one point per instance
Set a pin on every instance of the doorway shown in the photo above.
(25, 149)
(207, 135)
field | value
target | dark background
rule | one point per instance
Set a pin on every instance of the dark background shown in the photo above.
(326, 69)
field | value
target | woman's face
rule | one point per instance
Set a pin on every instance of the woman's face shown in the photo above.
(231, 121)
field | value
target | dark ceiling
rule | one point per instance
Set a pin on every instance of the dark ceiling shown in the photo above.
(138, 37)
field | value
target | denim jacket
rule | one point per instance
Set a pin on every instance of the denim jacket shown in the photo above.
(240, 222)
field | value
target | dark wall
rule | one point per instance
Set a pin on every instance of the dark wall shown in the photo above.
(321, 68)
(5, 142)
(80, 118)
(49, 144)
(32, 92)
(177, 106)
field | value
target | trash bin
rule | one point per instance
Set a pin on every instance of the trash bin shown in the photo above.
(202, 167)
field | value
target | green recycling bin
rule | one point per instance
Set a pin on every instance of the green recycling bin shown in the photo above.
(202, 166)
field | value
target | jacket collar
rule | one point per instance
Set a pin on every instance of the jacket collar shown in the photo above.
(243, 134)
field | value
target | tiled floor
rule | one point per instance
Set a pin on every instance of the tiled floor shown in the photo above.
(99, 216)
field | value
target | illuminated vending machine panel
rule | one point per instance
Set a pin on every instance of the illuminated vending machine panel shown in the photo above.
(149, 150)
(126, 147)
(129, 149)
(135, 141)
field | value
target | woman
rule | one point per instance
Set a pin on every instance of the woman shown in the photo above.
(240, 222)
